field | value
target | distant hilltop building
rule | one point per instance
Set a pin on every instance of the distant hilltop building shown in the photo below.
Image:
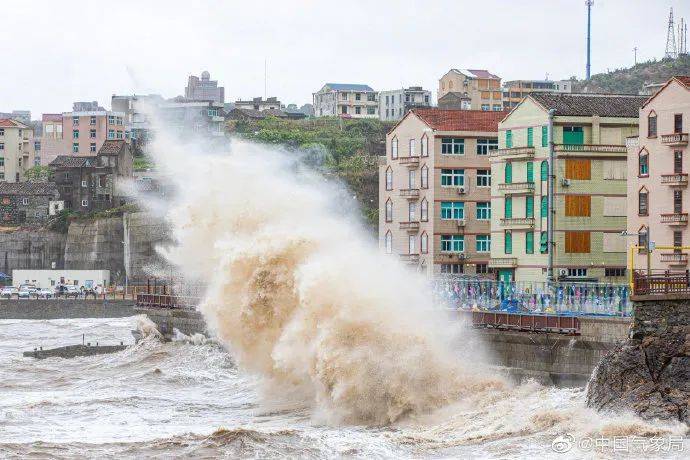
(346, 100)
(394, 104)
(204, 89)
(514, 91)
(259, 103)
(22, 115)
(470, 89)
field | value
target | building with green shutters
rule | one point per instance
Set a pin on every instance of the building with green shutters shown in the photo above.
(588, 209)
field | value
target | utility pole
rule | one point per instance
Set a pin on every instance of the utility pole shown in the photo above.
(671, 50)
(589, 37)
(635, 51)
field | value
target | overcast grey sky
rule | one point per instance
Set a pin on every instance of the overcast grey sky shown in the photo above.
(59, 52)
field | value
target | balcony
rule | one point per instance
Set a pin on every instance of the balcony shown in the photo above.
(409, 193)
(517, 188)
(675, 180)
(410, 259)
(518, 223)
(675, 258)
(451, 257)
(411, 162)
(590, 149)
(514, 153)
(675, 140)
(503, 262)
(411, 227)
(677, 219)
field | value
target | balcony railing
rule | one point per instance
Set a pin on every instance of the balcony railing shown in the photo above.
(675, 258)
(518, 222)
(631, 142)
(515, 188)
(411, 226)
(503, 262)
(661, 283)
(411, 259)
(410, 162)
(409, 193)
(515, 152)
(675, 180)
(677, 218)
(675, 140)
(594, 148)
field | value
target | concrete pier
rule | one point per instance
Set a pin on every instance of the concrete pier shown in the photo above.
(73, 351)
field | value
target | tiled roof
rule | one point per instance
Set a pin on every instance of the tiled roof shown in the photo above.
(349, 87)
(111, 147)
(455, 94)
(51, 117)
(27, 188)
(70, 161)
(460, 120)
(10, 123)
(477, 73)
(587, 105)
(684, 80)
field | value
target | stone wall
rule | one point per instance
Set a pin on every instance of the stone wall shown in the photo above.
(142, 233)
(65, 308)
(95, 245)
(31, 249)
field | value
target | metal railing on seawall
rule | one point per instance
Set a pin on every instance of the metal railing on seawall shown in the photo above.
(167, 301)
(558, 298)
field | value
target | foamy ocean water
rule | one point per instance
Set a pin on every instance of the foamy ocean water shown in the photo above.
(179, 399)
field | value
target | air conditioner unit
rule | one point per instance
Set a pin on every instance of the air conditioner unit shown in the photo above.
(462, 256)
(461, 190)
(461, 222)
(562, 272)
(565, 182)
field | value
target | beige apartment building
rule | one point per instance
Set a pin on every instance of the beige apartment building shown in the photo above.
(515, 90)
(470, 89)
(52, 143)
(435, 190)
(587, 205)
(16, 150)
(346, 100)
(658, 177)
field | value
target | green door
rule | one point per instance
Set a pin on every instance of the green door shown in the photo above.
(530, 171)
(509, 173)
(530, 137)
(508, 214)
(529, 206)
(505, 275)
(573, 135)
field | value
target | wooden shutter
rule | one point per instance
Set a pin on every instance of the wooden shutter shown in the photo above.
(577, 242)
(578, 205)
(578, 169)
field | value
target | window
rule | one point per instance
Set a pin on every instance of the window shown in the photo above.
(677, 241)
(483, 178)
(451, 269)
(508, 173)
(578, 205)
(452, 243)
(344, 96)
(678, 162)
(643, 163)
(577, 273)
(343, 110)
(75, 134)
(614, 272)
(25, 201)
(509, 139)
(530, 137)
(84, 183)
(84, 203)
(543, 243)
(483, 210)
(452, 177)
(677, 201)
(2, 131)
(529, 206)
(2, 146)
(111, 134)
(92, 147)
(578, 168)
(75, 120)
(358, 96)
(37, 146)
(389, 242)
(92, 121)
(411, 211)
(425, 145)
(508, 207)
(102, 180)
(412, 144)
(111, 119)
(642, 239)
(544, 206)
(358, 110)
(394, 148)
(678, 123)
(544, 136)
(411, 244)
(389, 178)
(411, 179)
(651, 124)
(425, 177)
(529, 243)
(424, 210)
(92, 133)
(484, 146)
(483, 243)
(577, 242)
(452, 210)
(371, 110)
(452, 146)
(573, 135)
(497, 107)
(486, 107)
(75, 147)
(544, 170)
(2, 161)
(530, 171)
(482, 269)
(508, 242)
(424, 243)
(389, 210)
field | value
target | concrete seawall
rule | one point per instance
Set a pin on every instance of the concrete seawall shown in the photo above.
(65, 308)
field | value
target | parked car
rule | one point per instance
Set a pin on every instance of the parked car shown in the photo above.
(44, 293)
(66, 291)
(23, 294)
(8, 292)
(28, 287)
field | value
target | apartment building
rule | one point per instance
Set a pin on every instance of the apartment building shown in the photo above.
(137, 110)
(346, 100)
(435, 190)
(394, 104)
(52, 143)
(88, 126)
(588, 203)
(658, 167)
(16, 150)
(515, 90)
(204, 89)
(184, 117)
(479, 89)
(259, 103)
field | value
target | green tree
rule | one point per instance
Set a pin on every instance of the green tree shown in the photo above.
(37, 173)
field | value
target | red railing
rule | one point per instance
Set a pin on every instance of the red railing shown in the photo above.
(663, 283)
(166, 301)
(526, 322)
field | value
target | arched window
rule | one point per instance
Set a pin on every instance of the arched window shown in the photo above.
(509, 173)
(651, 124)
(394, 148)
(425, 145)
(425, 177)
(544, 170)
(389, 210)
(389, 178)
(642, 238)
(413, 142)
(424, 210)
(643, 162)
(389, 242)
(544, 206)
(424, 243)
(643, 202)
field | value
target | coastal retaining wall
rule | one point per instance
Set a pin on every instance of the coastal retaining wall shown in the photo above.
(31, 249)
(65, 308)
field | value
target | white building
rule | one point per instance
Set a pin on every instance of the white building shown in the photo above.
(51, 278)
(259, 103)
(346, 100)
(394, 104)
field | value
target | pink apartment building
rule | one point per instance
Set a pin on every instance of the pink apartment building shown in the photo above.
(85, 131)
(658, 164)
